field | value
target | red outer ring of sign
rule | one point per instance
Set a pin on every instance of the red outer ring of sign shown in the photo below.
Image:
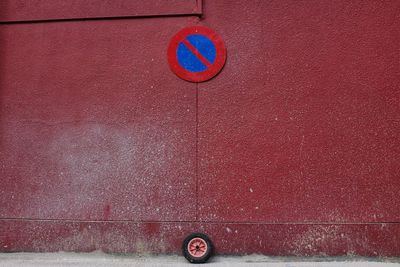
(213, 70)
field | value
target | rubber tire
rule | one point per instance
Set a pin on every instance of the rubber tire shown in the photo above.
(205, 257)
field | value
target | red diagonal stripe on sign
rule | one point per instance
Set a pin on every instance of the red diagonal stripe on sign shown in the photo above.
(196, 53)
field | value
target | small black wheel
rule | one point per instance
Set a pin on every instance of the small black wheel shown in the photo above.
(197, 248)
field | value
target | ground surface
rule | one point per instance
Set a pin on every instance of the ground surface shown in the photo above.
(98, 259)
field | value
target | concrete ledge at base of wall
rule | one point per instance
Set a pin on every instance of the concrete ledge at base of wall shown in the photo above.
(99, 259)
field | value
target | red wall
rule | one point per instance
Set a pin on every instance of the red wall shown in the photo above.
(292, 149)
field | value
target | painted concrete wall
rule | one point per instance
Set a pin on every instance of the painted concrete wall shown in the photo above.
(293, 149)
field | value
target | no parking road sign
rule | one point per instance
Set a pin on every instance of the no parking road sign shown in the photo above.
(196, 54)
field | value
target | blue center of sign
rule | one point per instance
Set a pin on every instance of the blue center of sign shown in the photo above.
(196, 53)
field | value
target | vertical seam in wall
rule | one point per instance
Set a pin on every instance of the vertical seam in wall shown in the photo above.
(197, 152)
(199, 5)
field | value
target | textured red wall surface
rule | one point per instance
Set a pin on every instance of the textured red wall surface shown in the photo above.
(293, 149)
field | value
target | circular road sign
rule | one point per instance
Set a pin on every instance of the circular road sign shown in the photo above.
(196, 54)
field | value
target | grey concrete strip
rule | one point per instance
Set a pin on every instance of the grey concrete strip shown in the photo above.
(98, 259)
